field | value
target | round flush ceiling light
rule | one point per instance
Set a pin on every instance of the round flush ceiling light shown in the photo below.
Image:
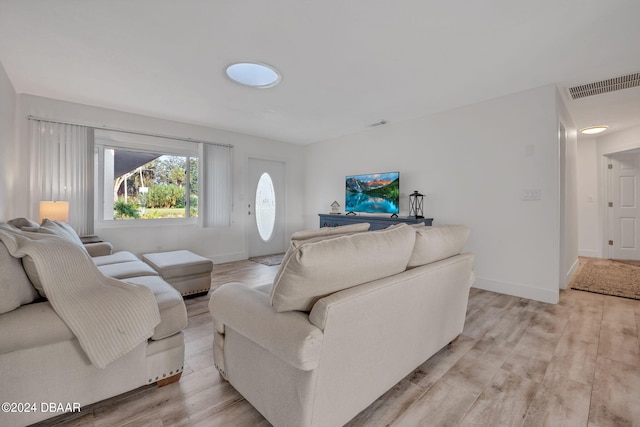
(592, 130)
(253, 74)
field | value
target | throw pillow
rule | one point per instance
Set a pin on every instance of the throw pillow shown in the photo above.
(22, 222)
(61, 229)
(317, 268)
(438, 242)
(55, 228)
(15, 288)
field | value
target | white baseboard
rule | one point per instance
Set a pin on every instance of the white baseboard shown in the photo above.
(517, 290)
(590, 254)
(221, 259)
(572, 271)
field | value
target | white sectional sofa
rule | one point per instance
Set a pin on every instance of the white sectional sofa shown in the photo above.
(42, 361)
(350, 313)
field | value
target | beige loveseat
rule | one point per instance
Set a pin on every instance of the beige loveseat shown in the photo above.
(349, 314)
(43, 361)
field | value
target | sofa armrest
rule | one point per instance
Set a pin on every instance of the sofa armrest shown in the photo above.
(288, 335)
(99, 248)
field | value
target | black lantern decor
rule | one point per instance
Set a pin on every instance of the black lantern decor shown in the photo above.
(415, 205)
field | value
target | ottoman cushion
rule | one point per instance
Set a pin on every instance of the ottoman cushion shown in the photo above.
(178, 263)
(189, 273)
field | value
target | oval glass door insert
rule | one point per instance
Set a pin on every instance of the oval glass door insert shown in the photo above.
(265, 207)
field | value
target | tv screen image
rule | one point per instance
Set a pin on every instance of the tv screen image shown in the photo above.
(373, 193)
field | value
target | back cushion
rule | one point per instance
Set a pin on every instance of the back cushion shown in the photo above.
(316, 268)
(330, 231)
(15, 288)
(436, 243)
(317, 234)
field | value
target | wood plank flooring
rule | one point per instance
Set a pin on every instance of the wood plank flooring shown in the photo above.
(518, 363)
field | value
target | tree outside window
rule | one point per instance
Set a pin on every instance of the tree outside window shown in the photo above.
(153, 185)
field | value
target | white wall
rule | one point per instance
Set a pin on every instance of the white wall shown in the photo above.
(7, 139)
(624, 140)
(568, 233)
(589, 199)
(473, 164)
(222, 244)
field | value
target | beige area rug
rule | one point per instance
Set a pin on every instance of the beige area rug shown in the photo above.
(269, 260)
(628, 261)
(608, 277)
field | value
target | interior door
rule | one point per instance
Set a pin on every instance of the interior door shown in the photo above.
(266, 207)
(624, 208)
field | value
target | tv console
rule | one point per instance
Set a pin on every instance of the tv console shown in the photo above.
(377, 222)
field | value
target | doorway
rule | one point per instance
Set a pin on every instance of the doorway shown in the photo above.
(265, 227)
(623, 210)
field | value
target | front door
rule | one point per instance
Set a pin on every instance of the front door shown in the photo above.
(265, 207)
(624, 209)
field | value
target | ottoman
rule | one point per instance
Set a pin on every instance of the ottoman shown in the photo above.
(189, 273)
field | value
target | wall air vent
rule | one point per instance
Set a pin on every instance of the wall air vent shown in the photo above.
(604, 86)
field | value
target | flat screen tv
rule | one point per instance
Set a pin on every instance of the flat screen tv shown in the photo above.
(373, 193)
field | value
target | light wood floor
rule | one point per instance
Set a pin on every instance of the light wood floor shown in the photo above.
(518, 363)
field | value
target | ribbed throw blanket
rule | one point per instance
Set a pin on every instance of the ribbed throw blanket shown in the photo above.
(109, 317)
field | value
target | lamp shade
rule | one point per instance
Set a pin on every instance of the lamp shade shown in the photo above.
(58, 211)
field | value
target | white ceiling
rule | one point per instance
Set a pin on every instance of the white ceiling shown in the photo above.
(345, 63)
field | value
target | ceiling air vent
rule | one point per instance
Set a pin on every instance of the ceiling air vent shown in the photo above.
(604, 86)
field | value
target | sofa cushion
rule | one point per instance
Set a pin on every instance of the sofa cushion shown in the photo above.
(438, 242)
(15, 287)
(116, 258)
(32, 325)
(265, 289)
(99, 248)
(173, 313)
(124, 270)
(317, 268)
(316, 235)
(330, 231)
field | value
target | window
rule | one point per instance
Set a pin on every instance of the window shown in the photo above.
(265, 207)
(142, 177)
(150, 185)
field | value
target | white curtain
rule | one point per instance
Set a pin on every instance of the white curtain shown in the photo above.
(216, 164)
(62, 170)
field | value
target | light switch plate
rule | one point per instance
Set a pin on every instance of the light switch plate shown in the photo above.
(531, 194)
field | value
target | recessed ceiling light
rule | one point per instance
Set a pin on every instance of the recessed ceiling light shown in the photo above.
(592, 130)
(253, 74)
